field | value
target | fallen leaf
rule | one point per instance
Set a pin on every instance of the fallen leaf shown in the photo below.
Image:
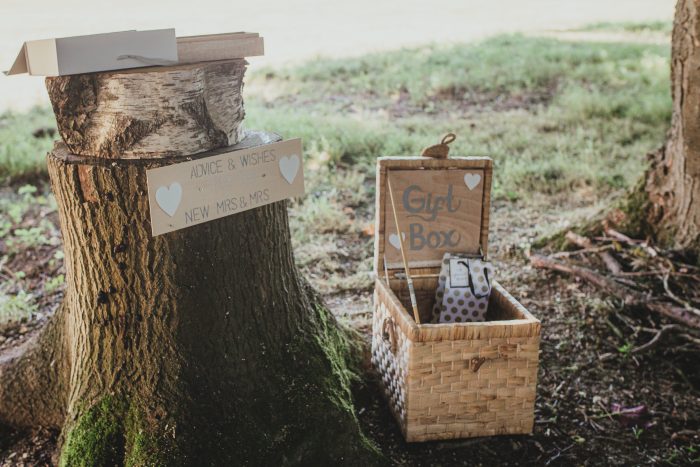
(637, 415)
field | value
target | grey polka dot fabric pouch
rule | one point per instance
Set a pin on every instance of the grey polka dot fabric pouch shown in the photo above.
(464, 288)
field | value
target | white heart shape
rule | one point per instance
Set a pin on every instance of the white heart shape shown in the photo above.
(472, 180)
(289, 166)
(394, 240)
(168, 198)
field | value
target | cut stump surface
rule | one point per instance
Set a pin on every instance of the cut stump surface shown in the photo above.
(150, 112)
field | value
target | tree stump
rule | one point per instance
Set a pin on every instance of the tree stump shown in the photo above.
(203, 346)
(150, 112)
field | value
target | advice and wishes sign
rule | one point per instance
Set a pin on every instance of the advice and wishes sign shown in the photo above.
(201, 190)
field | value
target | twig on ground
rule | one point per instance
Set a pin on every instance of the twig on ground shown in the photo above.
(614, 328)
(690, 338)
(584, 242)
(620, 237)
(677, 299)
(628, 296)
(652, 273)
(612, 414)
(582, 251)
(610, 286)
(558, 453)
(659, 334)
(605, 410)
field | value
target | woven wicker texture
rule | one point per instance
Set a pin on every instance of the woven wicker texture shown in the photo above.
(390, 353)
(443, 386)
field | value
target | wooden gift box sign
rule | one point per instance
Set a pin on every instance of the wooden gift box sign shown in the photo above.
(446, 381)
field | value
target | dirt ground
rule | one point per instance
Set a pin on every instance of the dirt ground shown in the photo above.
(578, 394)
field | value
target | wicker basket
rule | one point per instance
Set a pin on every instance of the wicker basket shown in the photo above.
(446, 381)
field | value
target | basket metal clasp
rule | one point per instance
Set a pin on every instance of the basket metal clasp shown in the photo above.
(476, 363)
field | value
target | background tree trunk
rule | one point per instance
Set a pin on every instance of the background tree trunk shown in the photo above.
(150, 112)
(199, 347)
(673, 181)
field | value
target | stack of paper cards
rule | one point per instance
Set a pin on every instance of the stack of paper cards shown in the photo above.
(129, 49)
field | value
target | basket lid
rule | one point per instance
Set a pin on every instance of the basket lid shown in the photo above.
(442, 205)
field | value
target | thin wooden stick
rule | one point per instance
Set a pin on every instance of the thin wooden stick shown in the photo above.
(584, 242)
(386, 272)
(620, 237)
(658, 334)
(415, 276)
(582, 251)
(628, 296)
(658, 272)
(411, 291)
(677, 299)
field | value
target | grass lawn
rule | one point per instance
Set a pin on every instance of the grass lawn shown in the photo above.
(24, 140)
(664, 27)
(555, 116)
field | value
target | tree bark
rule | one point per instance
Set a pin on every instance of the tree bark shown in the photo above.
(673, 181)
(150, 112)
(199, 347)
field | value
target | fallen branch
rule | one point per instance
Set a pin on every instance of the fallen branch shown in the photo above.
(691, 339)
(659, 334)
(657, 272)
(620, 237)
(582, 251)
(628, 296)
(675, 313)
(613, 288)
(677, 299)
(610, 262)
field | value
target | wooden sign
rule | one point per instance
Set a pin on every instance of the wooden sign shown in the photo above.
(201, 190)
(439, 211)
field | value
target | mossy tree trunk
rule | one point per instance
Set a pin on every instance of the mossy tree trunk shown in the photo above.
(669, 199)
(198, 347)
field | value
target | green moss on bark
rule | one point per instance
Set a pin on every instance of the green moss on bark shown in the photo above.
(97, 437)
(332, 366)
(113, 432)
(342, 347)
(146, 446)
(342, 354)
(635, 212)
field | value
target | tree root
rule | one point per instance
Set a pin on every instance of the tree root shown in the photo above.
(32, 392)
